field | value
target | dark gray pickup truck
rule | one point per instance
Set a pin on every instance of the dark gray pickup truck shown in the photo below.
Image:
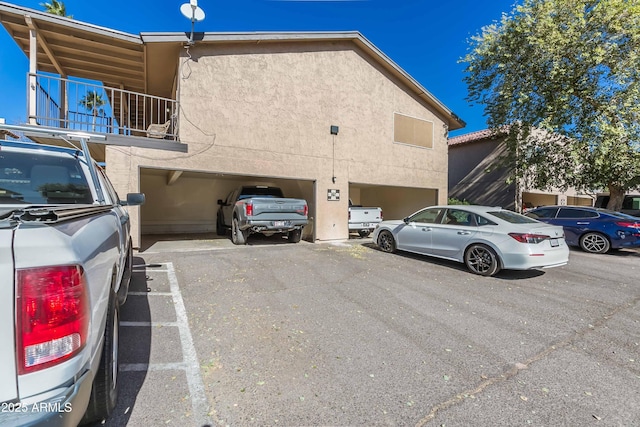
(261, 209)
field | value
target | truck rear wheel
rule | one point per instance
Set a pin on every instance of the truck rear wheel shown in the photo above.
(104, 391)
(294, 236)
(238, 237)
(364, 233)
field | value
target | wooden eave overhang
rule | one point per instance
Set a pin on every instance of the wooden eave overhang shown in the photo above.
(73, 48)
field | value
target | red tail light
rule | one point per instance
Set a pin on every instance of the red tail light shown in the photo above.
(381, 217)
(249, 209)
(629, 224)
(306, 210)
(53, 316)
(528, 238)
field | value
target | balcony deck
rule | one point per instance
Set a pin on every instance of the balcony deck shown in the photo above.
(125, 118)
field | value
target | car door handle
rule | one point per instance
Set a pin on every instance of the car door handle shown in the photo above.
(426, 229)
(464, 233)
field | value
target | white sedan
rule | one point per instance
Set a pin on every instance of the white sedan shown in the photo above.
(486, 239)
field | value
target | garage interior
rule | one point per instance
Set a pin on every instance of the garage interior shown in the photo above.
(186, 202)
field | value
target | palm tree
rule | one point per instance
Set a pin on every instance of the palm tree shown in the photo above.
(56, 7)
(93, 102)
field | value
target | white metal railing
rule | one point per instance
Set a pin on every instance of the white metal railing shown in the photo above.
(81, 105)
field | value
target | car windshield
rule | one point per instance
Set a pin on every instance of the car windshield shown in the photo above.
(37, 179)
(512, 217)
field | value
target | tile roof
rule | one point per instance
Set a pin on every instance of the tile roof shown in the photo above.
(473, 137)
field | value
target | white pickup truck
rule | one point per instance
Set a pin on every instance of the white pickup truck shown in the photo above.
(363, 220)
(65, 266)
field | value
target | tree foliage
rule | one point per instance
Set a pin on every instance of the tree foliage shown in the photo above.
(93, 102)
(563, 76)
(56, 7)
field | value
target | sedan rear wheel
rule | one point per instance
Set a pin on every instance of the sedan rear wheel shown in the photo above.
(595, 243)
(386, 242)
(482, 260)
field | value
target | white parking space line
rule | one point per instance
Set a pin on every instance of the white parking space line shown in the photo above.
(148, 324)
(190, 363)
(144, 367)
(196, 386)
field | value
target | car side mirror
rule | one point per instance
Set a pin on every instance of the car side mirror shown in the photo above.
(133, 199)
(405, 220)
(220, 202)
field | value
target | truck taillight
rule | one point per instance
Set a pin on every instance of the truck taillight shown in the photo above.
(248, 209)
(53, 316)
(306, 210)
(381, 217)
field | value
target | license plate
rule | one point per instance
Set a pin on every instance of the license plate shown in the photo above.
(554, 242)
(279, 223)
(365, 224)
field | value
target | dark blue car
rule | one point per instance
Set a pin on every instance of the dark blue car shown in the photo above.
(595, 230)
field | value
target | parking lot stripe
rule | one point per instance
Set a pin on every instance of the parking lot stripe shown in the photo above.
(196, 386)
(144, 367)
(148, 324)
(144, 294)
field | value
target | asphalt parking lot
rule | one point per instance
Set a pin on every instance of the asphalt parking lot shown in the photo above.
(343, 334)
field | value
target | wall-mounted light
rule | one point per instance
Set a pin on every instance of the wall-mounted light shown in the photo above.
(334, 130)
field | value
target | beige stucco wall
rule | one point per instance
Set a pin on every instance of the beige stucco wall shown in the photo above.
(266, 110)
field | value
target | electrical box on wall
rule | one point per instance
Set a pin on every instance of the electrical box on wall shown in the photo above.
(333, 195)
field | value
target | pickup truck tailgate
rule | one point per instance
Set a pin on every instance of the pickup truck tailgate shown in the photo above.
(8, 385)
(265, 206)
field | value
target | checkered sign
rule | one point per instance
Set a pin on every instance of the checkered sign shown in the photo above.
(333, 195)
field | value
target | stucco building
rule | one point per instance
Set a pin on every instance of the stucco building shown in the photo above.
(475, 176)
(318, 114)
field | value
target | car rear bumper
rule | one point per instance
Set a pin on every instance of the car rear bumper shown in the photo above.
(275, 226)
(543, 259)
(65, 408)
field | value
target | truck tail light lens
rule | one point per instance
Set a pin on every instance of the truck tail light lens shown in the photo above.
(306, 210)
(53, 316)
(528, 238)
(248, 209)
(381, 216)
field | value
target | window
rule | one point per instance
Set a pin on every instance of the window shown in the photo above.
(412, 131)
(457, 217)
(427, 216)
(576, 213)
(41, 179)
(512, 217)
(480, 220)
(543, 213)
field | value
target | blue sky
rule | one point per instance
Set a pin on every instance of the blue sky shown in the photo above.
(426, 38)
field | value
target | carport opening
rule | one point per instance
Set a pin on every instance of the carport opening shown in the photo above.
(396, 202)
(182, 205)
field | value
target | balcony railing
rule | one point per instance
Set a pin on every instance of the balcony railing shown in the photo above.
(79, 105)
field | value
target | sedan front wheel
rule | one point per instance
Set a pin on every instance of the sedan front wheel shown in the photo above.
(482, 260)
(386, 242)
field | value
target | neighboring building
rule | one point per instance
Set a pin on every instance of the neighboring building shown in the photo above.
(318, 114)
(474, 176)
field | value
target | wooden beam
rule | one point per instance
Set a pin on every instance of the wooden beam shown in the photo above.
(173, 176)
(42, 41)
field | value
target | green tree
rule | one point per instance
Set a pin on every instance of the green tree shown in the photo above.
(93, 102)
(56, 8)
(563, 76)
